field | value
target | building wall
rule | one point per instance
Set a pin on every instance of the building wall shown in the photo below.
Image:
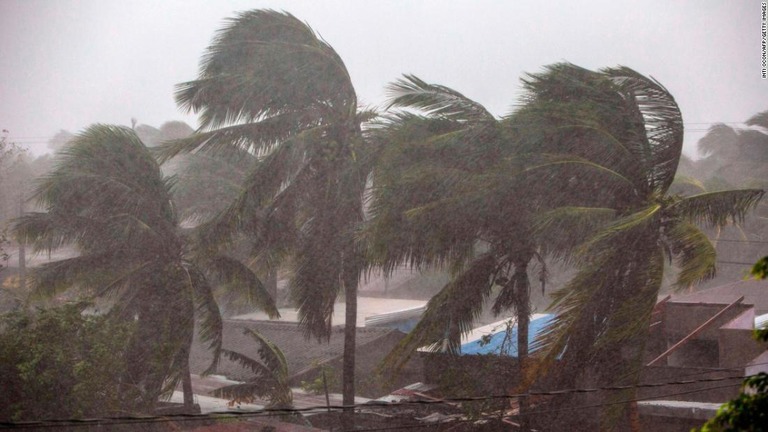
(368, 359)
(680, 319)
(738, 347)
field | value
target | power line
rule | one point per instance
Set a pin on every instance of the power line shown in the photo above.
(739, 241)
(546, 411)
(274, 411)
(735, 263)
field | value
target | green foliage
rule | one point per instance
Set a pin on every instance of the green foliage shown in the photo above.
(107, 198)
(326, 377)
(760, 269)
(3, 253)
(270, 87)
(61, 363)
(453, 177)
(270, 375)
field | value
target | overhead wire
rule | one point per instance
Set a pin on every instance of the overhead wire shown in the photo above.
(275, 411)
(540, 412)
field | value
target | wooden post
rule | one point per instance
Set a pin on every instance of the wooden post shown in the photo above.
(22, 255)
(325, 387)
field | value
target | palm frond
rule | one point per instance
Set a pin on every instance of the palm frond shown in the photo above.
(102, 273)
(209, 316)
(683, 184)
(450, 313)
(270, 374)
(435, 100)
(759, 119)
(719, 138)
(588, 173)
(694, 253)
(561, 230)
(270, 354)
(658, 125)
(252, 66)
(317, 277)
(241, 279)
(105, 192)
(49, 231)
(608, 302)
(615, 233)
(254, 137)
(717, 208)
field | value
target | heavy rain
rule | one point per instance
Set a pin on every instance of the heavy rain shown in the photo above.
(373, 216)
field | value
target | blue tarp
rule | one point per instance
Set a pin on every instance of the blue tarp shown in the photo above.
(497, 339)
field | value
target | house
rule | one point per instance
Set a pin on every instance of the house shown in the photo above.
(706, 339)
(699, 349)
(307, 358)
(487, 361)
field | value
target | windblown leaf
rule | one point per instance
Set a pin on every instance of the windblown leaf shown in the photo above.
(717, 208)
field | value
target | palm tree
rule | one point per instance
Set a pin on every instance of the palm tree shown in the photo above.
(456, 186)
(736, 156)
(107, 197)
(270, 375)
(579, 172)
(270, 86)
(440, 197)
(632, 126)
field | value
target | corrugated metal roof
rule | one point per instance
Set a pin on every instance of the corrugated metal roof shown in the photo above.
(761, 321)
(501, 337)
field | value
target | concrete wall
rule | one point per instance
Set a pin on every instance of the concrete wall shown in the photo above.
(680, 319)
(738, 347)
(368, 358)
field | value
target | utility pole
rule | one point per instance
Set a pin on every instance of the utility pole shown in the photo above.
(22, 253)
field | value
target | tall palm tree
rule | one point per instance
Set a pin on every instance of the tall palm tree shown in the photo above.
(108, 198)
(455, 186)
(630, 125)
(440, 197)
(580, 172)
(736, 156)
(270, 86)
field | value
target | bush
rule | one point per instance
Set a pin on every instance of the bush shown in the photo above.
(59, 363)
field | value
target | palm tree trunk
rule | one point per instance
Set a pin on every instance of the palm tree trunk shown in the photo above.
(350, 280)
(186, 385)
(22, 254)
(272, 284)
(523, 306)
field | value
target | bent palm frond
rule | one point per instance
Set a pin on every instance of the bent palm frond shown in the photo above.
(657, 125)
(450, 313)
(251, 69)
(242, 279)
(436, 100)
(693, 252)
(717, 208)
(270, 374)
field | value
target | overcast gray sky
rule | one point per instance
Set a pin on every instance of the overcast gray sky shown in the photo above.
(66, 64)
